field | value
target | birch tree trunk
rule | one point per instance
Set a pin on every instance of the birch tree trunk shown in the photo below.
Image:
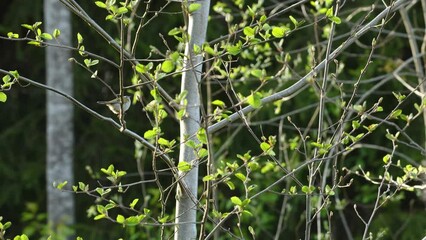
(186, 197)
(60, 138)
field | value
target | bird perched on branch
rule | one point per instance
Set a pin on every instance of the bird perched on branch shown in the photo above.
(115, 104)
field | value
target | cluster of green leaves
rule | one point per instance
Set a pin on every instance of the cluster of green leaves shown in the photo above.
(8, 81)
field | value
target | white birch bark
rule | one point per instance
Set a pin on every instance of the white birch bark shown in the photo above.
(60, 138)
(186, 201)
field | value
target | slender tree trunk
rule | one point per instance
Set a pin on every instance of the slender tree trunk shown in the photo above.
(186, 197)
(60, 138)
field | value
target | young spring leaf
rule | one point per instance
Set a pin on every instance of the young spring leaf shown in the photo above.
(236, 200)
(3, 97)
(194, 7)
(184, 166)
(255, 100)
(167, 66)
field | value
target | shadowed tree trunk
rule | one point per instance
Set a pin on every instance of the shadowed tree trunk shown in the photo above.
(60, 138)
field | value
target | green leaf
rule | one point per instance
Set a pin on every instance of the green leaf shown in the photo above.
(109, 170)
(3, 97)
(395, 114)
(27, 26)
(208, 178)
(293, 190)
(202, 136)
(56, 33)
(219, 103)
(253, 166)
(359, 108)
(121, 174)
(167, 66)
(101, 4)
(248, 213)
(100, 209)
(150, 134)
(329, 190)
(255, 100)
(122, 10)
(174, 31)
(294, 21)
(234, 49)
(140, 68)
(46, 36)
(109, 17)
(6, 225)
(278, 32)
(61, 185)
(163, 142)
(335, 19)
(249, 32)
(134, 220)
(257, 73)
(184, 166)
(308, 190)
(15, 74)
(230, 185)
(371, 127)
(89, 62)
(12, 35)
(240, 176)
(265, 146)
(236, 200)
(34, 43)
(6, 79)
(329, 12)
(386, 158)
(194, 7)
(82, 186)
(22, 237)
(79, 38)
(81, 51)
(268, 167)
(164, 219)
(120, 219)
(209, 50)
(197, 49)
(202, 153)
(100, 216)
(251, 230)
(355, 124)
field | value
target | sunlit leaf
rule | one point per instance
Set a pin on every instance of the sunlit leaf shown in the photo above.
(167, 66)
(278, 32)
(218, 103)
(255, 100)
(194, 7)
(120, 218)
(236, 200)
(184, 166)
(240, 176)
(248, 31)
(56, 33)
(79, 38)
(100, 4)
(3, 97)
(61, 185)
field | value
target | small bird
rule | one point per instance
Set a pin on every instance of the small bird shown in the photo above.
(114, 105)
